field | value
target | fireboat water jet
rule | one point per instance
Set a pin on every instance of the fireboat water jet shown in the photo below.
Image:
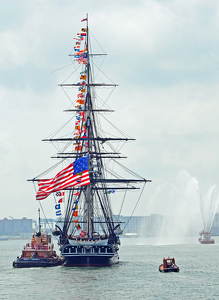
(184, 210)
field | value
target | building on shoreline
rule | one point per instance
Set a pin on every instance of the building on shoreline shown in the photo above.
(141, 225)
(215, 225)
(16, 227)
(146, 225)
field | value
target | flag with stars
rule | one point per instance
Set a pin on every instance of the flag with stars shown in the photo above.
(67, 178)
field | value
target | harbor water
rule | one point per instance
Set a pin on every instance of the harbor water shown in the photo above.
(135, 277)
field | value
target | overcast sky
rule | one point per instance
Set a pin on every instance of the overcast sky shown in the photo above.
(162, 54)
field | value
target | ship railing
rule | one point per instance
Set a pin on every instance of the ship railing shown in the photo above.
(89, 250)
(86, 239)
(38, 247)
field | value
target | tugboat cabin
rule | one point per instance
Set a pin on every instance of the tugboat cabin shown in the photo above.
(41, 246)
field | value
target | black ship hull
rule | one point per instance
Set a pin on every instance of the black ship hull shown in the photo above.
(89, 255)
(91, 261)
(37, 262)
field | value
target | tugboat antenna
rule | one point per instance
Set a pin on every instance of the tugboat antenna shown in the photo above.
(39, 221)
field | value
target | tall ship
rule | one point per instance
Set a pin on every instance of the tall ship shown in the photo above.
(87, 230)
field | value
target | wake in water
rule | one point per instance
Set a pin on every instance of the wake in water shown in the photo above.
(185, 213)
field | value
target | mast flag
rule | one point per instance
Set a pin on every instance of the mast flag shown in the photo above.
(84, 20)
(60, 194)
(76, 174)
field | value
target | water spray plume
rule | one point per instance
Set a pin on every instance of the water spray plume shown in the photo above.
(185, 211)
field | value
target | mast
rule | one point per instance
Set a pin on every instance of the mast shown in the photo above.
(88, 194)
(93, 143)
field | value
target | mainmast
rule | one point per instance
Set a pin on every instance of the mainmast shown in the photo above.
(88, 194)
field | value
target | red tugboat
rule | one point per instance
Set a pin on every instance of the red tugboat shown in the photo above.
(205, 237)
(39, 252)
(168, 265)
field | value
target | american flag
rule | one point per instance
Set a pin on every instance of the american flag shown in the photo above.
(76, 174)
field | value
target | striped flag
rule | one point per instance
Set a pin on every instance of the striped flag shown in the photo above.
(66, 178)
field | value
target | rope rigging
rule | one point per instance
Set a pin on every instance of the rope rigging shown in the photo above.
(94, 199)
